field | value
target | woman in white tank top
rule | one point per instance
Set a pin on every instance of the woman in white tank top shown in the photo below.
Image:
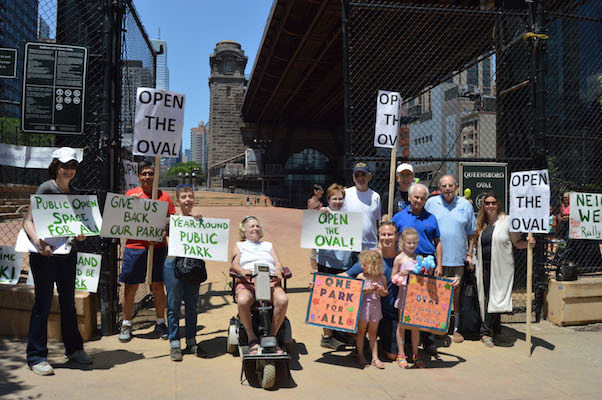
(249, 251)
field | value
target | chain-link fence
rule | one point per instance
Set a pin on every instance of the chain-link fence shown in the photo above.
(468, 77)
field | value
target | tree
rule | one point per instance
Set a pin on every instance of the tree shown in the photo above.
(172, 177)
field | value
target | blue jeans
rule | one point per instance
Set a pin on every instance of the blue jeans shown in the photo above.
(46, 271)
(176, 291)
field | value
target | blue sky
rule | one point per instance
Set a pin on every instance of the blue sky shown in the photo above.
(192, 29)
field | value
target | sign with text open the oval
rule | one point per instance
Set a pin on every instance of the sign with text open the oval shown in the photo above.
(159, 122)
(129, 218)
(331, 231)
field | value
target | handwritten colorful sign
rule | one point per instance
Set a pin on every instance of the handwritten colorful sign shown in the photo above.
(331, 231)
(427, 304)
(61, 215)
(130, 218)
(10, 265)
(206, 238)
(585, 216)
(335, 303)
(87, 271)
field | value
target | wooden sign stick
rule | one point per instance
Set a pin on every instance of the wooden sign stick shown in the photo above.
(151, 248)
(529, 294)
(392, 182)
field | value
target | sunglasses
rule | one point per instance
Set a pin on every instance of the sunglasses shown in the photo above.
(149, 173)
(69, 165)
(183, 186)
(490, 203)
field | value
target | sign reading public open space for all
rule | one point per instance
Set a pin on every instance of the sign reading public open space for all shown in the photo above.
(130, 218)
(159, 122)
(62, 215)
(530, 201)
(332, 231)
(205, 238)
(54, 88)
(585, 216)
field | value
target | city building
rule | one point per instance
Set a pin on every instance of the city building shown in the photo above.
(199, 144)
(134, 74)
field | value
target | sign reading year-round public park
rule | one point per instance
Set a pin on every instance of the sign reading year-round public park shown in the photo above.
(159, 122)
(54, 88)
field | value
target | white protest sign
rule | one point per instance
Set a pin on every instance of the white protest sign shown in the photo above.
(159, 122)
(331, 231)
(62, 215)
(585, 217)
(10, 265)
(206, 238)
(530, 201)
(30, 157)
(130, 174)
(87, 271)
(130, 218)
(387, 119)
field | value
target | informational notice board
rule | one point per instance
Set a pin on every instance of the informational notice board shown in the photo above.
(427, 304)
(54, 88)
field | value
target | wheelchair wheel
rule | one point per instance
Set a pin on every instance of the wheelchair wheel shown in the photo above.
(268, 375)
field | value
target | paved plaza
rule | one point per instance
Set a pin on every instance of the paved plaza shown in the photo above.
(565, 363)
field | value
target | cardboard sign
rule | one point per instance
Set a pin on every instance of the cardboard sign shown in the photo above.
(130, 174)
(387, 119)
(331, 231)
(10, 265)
(585, 218)
(159, 122)
(130, 218)
(87, 271)
(427, 304)
(62, 215)
(530, 201)
(206, 238)
(335, 303)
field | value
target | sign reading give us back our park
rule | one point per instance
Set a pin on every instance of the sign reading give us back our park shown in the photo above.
(159, 122)
(130, 218)
(61, 215)
(205, 238)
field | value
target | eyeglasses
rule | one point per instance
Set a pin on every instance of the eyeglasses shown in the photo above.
(69, 165)
(149, 173)
(183, 186)
(490, 203)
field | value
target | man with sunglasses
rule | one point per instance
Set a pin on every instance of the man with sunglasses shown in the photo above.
(133, 268)
(457, 227)
(360, 198)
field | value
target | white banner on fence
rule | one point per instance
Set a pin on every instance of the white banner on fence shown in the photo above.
(62, 215)
(159, 122)
(386, 130)
(10, 265)
(585, 217)
(30, 157)
(530, 201)
(129, 218)
(87, 271)
(332, 231)
(130, 175)
(206, 238)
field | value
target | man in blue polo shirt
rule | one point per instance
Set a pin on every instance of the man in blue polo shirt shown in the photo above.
(415, 216)
(456, 220)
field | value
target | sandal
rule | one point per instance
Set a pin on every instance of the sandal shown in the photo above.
(253, 347)
(402, 361)
(417, 361)
(378, 364)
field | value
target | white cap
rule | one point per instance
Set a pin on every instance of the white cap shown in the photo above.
(404, 167)
(65, 154)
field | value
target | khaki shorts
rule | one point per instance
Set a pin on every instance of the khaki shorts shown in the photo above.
(313, 254)
(452, 272)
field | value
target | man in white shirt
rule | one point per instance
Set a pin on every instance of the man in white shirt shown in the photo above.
(360, 198)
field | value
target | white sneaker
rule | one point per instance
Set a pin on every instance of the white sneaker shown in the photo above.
(42, 368)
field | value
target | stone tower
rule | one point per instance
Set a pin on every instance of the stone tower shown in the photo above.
(226, 85)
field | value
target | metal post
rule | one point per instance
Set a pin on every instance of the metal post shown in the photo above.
(346, 90)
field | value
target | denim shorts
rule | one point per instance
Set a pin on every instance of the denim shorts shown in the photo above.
(133, 267)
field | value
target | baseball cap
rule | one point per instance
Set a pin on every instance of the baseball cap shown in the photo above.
(360, 166)
(65, 154)
(404, 167)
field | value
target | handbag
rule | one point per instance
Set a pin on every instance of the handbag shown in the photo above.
(567, 271)
(470, 317)
(191, 270)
